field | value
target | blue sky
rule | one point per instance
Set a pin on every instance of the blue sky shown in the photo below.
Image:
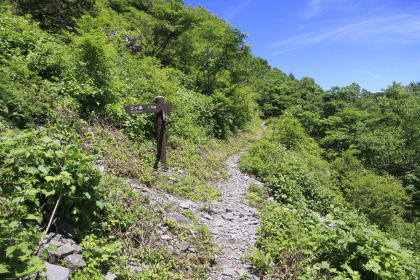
(337, 42)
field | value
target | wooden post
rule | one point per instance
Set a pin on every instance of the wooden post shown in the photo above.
(160, 108)
(160, 134)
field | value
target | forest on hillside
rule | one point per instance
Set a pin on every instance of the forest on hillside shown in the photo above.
(68, 67)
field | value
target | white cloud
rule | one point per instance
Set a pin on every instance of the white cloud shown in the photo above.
(417, 64)
(235, 10)
(314, 8)
(398, 28)
(374, 75)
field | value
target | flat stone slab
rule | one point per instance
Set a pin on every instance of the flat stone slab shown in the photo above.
(252, 231)
(219, 223)
(64, 250)
(228, 216)
(77, 249)
(56, 272)
(75, 260)
(229, 272)
(184, 205)
(183, 246)
(165, 237)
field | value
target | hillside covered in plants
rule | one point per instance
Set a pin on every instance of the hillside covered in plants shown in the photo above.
(341, 164)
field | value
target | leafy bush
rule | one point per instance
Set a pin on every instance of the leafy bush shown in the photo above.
(190, 117)
(349, 247)
(346, 249)
(53, 172)
(39, 175)
(288, 131)
(18, 33)
(382, 198)
(28, 57)
(55, 15)
(292, 176)
(89, 79)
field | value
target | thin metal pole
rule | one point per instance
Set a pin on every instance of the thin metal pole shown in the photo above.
(160, 135)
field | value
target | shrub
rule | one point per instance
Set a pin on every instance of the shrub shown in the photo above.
(40, 175)
(28, 56)
(381, 198)
(346, 249)
(89, 80)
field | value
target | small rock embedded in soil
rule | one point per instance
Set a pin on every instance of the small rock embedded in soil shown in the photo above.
(184, 205)
(183, 246)
(165, 237)
(208, 217)
(229, 272)
(228, 217)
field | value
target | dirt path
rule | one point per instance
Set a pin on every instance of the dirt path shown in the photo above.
(232, 222)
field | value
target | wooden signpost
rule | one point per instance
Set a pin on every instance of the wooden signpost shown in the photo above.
(160, 108)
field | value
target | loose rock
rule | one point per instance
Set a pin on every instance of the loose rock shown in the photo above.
(55, 272)
(183, 246)
(74, 261)
(64, 250)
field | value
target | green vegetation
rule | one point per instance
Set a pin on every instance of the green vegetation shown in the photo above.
(67, 68)
(256, 196)
(348, 167)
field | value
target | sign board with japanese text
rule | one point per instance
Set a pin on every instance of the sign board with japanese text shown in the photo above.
(148, 108)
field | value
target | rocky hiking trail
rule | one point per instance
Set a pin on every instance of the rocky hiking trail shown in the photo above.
(231, 221)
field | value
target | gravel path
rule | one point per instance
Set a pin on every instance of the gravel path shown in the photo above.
(232, 222)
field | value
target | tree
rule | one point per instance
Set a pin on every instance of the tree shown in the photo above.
(55, 15)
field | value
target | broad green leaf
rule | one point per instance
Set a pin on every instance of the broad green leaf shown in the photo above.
(49, 178)
(33, 217)
(18, 199)
(373, 266)
(67, 178)
(46, 139)
(36, 263)
(351, 239)
(43, 169)
(99, 250)
(100, 204)
(324, 265)
(87, 195)
(13, 224)
(3, 268)
(80, 181)
(48, 189)
(52, 247)
(9, 250)
(21, 269)
(45, 253)
(329, 217)
(32, 170)
(32, 191)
